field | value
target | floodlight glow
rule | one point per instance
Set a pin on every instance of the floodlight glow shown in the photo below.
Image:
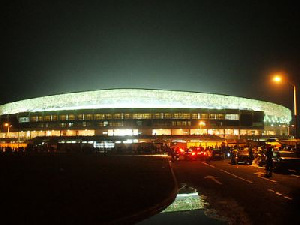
(277, 79)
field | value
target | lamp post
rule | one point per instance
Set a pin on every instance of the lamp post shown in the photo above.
(201, 123)
(279, 79)
(7, 125)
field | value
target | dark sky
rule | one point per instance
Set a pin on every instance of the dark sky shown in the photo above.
(227, 47)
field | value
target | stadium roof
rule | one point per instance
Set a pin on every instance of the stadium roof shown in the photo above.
(141, 98)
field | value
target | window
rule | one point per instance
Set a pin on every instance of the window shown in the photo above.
(108, 116)
(232, 117)
(47, 118)
(99, 116)
(146, 116)
(212, 116)
(54, 117)
(195, 116)
(88, 117)
(181, 115)
(117, 116)
(80, 117)
(220, 116)
(157, 116)
(62, 117)
(71, 117)
(204, 116)
(127, 116)
(168, 116)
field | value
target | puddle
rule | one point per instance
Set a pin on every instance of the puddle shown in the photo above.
(189, 207)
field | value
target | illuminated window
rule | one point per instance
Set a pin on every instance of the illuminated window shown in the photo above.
(71, 117)
(80, 117)
(54, 117)
(127, 116)
(117, 116)
(212, 116)
(147, 116)
(99, 116)
(220, 116)
(203, 116)
(185, 116)
(47, 118)
(168, 116)
(88, 116)
(232, 117)
(139, 116)
(181, 116)
(161, 132)
(195, 116)
(136, 116)
(62, 117)
(108, 116)
(157, 116)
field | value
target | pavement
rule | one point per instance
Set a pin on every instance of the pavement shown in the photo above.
(240, 194)
(83, 189)
(98, 189)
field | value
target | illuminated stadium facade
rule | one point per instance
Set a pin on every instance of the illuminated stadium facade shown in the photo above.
(106, 117)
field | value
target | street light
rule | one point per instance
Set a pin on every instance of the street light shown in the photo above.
(201, 123)
(279, 80)
(8, 126)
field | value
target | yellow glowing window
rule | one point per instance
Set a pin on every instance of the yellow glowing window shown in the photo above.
(47, 118)
(204, 116)
(156, 116)
(80, 117)
(108, 116)
(62, 117)
(195, 116)
(220, 116)
(88, 116)
(99, 116)
(71, 117)
(118, 116)
(212, 116)
(127, 116)
(167, 115)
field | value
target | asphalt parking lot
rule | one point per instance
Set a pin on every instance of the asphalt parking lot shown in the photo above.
(78, 188)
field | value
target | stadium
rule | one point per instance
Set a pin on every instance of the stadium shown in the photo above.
(104, 118)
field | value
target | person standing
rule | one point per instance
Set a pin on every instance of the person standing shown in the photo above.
(269, 162)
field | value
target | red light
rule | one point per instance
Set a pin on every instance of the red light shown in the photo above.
(193, 153)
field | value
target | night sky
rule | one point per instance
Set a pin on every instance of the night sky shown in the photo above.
(225, 47)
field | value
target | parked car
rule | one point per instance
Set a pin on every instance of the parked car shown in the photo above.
(191, 154)
(284, 161)
(217, 154)
(241, 156)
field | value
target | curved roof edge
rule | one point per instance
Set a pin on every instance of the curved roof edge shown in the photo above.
(146, 98)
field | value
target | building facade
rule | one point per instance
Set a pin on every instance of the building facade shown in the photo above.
(106, 117)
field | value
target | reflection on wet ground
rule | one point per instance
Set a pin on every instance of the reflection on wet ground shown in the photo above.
(189, 207)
